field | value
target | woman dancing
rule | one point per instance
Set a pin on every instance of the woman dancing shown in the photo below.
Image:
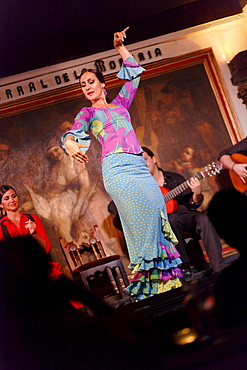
(149, 238)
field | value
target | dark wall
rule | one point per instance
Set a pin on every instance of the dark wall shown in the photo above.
(37, 34)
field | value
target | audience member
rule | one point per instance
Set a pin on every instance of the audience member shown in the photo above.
(228, 213)
(39, 329)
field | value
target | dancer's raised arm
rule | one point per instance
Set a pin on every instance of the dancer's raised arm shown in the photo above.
(118, 41)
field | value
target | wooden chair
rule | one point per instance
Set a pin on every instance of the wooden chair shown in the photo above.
(103, 275)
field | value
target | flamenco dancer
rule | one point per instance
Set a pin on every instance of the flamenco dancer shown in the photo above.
(150, 241)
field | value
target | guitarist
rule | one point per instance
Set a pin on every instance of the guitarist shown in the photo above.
(238, 167)
(186, 217)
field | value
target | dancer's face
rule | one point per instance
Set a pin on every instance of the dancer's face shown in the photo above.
(91, 87)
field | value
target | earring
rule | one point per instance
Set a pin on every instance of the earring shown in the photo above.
(105, 92)
(3, 212)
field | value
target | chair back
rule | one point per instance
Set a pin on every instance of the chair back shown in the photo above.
(78, 255)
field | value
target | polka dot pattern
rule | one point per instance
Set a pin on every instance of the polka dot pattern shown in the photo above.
(143, 216)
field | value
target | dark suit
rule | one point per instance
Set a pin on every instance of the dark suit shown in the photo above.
(240, 147)
(187, 218)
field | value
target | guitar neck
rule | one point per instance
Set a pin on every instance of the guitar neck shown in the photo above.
(180, 188)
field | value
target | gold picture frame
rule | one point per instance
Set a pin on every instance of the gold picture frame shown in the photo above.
(181, 102)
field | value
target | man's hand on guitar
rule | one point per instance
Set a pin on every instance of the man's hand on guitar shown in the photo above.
(241, 171)
(195, 185)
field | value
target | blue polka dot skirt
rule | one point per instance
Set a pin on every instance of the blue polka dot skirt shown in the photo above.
(150, 241)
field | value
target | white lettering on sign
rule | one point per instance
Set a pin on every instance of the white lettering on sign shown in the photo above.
(63, 77)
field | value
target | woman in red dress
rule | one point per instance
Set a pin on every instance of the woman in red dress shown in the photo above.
(15, 223)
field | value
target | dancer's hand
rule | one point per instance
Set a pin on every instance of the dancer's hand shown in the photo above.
(119, 38)
(73, 149)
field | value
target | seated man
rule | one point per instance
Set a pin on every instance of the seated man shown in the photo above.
(186, 217)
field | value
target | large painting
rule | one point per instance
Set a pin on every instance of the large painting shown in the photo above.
(70, 199)
(182, 112)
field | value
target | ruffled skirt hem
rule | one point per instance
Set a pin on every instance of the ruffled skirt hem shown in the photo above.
(159, 275)
(141, 290)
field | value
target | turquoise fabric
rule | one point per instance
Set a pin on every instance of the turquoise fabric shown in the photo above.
(143, 217)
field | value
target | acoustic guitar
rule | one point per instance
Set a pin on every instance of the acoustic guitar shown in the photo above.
(171, 204)
(236, 181)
